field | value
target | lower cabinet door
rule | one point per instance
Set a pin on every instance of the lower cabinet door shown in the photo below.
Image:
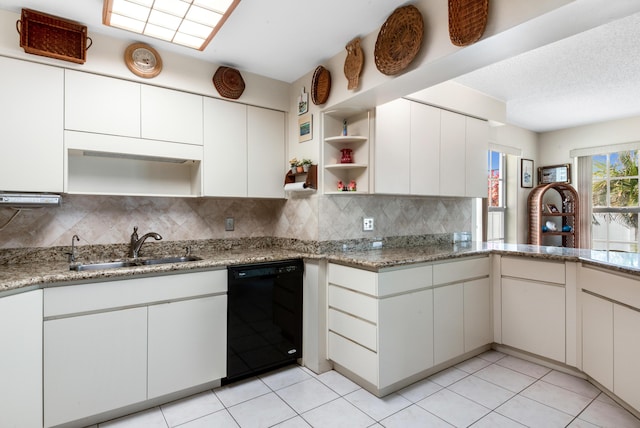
(406, 336)
(94, 363)
(597, 339)
(448, 324)
(187, 344)
(533, 317)
(21, 360)
(478, 327)
(626, 354)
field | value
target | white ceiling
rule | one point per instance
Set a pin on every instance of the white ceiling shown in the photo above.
(590, 77)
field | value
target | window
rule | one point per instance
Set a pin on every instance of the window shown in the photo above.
(496, 202)
(615, 206)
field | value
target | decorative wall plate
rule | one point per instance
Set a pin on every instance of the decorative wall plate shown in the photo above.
(320, 85)
(399, 40)
(228, 82)
(143, 60)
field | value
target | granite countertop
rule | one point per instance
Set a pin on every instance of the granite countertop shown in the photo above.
(34, 273)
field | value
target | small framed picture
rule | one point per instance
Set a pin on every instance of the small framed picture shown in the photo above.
(526, 175)
(554, 174)
(305, 128)
(552, 209)
(303, 102)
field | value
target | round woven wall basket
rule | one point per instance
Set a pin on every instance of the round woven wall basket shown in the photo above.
(399, 40)
(467, 20)
(228, 82)
(320, 85)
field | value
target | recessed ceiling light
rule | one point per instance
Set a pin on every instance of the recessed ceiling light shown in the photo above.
(191, 23)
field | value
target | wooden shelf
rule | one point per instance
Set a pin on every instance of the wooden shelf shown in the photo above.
(346, 193)
(569, 203)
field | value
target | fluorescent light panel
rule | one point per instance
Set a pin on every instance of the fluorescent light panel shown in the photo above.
(191, 23)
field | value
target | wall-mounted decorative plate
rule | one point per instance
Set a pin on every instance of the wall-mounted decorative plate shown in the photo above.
(143, 60)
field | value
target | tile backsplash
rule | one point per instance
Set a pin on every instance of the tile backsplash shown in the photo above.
(110, 219)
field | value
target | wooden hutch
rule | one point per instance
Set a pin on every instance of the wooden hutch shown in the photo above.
(564, 216)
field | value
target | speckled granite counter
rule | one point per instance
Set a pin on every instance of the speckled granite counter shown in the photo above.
(31, 272)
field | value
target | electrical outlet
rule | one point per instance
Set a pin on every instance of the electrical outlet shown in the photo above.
(367, 224)
(228, 224)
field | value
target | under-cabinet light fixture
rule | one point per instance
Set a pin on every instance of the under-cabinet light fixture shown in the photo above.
(191, 23)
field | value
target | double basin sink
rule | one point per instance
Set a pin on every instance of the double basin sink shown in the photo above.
(133, 263)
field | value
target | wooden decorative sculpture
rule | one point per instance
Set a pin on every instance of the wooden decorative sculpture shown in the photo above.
(353, 63)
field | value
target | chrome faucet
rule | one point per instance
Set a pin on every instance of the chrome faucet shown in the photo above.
(136, 243)
(72, 254)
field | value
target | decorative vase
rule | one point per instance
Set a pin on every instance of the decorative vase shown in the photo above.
(305, 167)
(300, 169)
(293, 169)
(346, 156)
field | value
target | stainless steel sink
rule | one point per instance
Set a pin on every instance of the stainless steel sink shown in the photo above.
(105, 265)
(164, 260)
(130, 263)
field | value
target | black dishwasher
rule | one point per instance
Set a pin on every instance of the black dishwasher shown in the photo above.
(264, 317)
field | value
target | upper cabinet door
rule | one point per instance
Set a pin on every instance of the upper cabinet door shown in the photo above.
(265, 143)
(452, 154)
(425, 150)
(170, 115)
(393, 147)
(477, 145)
(101, 104)
(225, 148)
(32, 159)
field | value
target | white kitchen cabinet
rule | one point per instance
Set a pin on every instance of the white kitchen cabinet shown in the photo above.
(170, 115)
(243, 150)
(392, 151)
(266, 164)
(101, 104)
(597, 339)
(478, 327)
(533, 306)
(425, 150)
(626, 354)
(448, 322)
(476, 149)
(381, 336)
(187, 344)
(452, 154)
(113, 344)
(32, 124)
(94, 363)
(21, 360)
(225, 148)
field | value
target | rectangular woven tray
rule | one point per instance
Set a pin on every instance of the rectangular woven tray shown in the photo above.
(52, 36)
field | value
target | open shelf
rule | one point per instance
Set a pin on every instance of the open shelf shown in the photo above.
(568, 216)
(346, 139)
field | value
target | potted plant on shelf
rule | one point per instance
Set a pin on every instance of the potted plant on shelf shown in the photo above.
(294, 165)
(306, 163)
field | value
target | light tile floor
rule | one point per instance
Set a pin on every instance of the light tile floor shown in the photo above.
(492, 390)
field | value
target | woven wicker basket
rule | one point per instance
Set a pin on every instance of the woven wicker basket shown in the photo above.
(399, 40)
(467, 20)
(228, 82)
(320, 85)
(51, 36)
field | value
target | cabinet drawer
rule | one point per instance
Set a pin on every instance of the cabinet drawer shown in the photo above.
(403, 280)
(353, 303)
(533, 269)
(445, 273)
(355, 279)
(129, 292)
(354, 357)
(353, 328)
